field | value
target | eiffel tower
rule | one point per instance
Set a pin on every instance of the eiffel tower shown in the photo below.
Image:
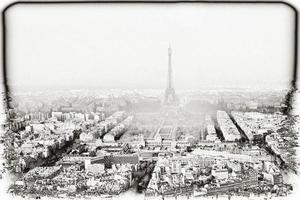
(170, 95)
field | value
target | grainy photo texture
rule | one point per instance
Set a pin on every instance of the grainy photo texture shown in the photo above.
(152, 100)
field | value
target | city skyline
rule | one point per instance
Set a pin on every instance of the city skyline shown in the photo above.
(147, 101)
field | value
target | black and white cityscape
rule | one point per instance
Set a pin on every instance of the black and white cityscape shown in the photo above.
(82, 143)
(149, 143)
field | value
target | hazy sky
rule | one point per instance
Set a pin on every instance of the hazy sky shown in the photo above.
(125, 45)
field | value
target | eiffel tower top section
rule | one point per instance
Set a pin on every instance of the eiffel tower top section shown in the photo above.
(170, 78)
(170, 96)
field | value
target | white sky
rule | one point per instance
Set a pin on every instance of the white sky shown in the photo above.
(125, 45)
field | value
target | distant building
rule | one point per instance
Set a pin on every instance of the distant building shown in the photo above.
(273, 178)
(86, 137)
(252, 105)
(125, 158)
(57, 115)
(96, 168)
(220, 173)
(229, 130)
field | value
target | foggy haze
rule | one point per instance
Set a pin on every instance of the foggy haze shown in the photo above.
(125, 45)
